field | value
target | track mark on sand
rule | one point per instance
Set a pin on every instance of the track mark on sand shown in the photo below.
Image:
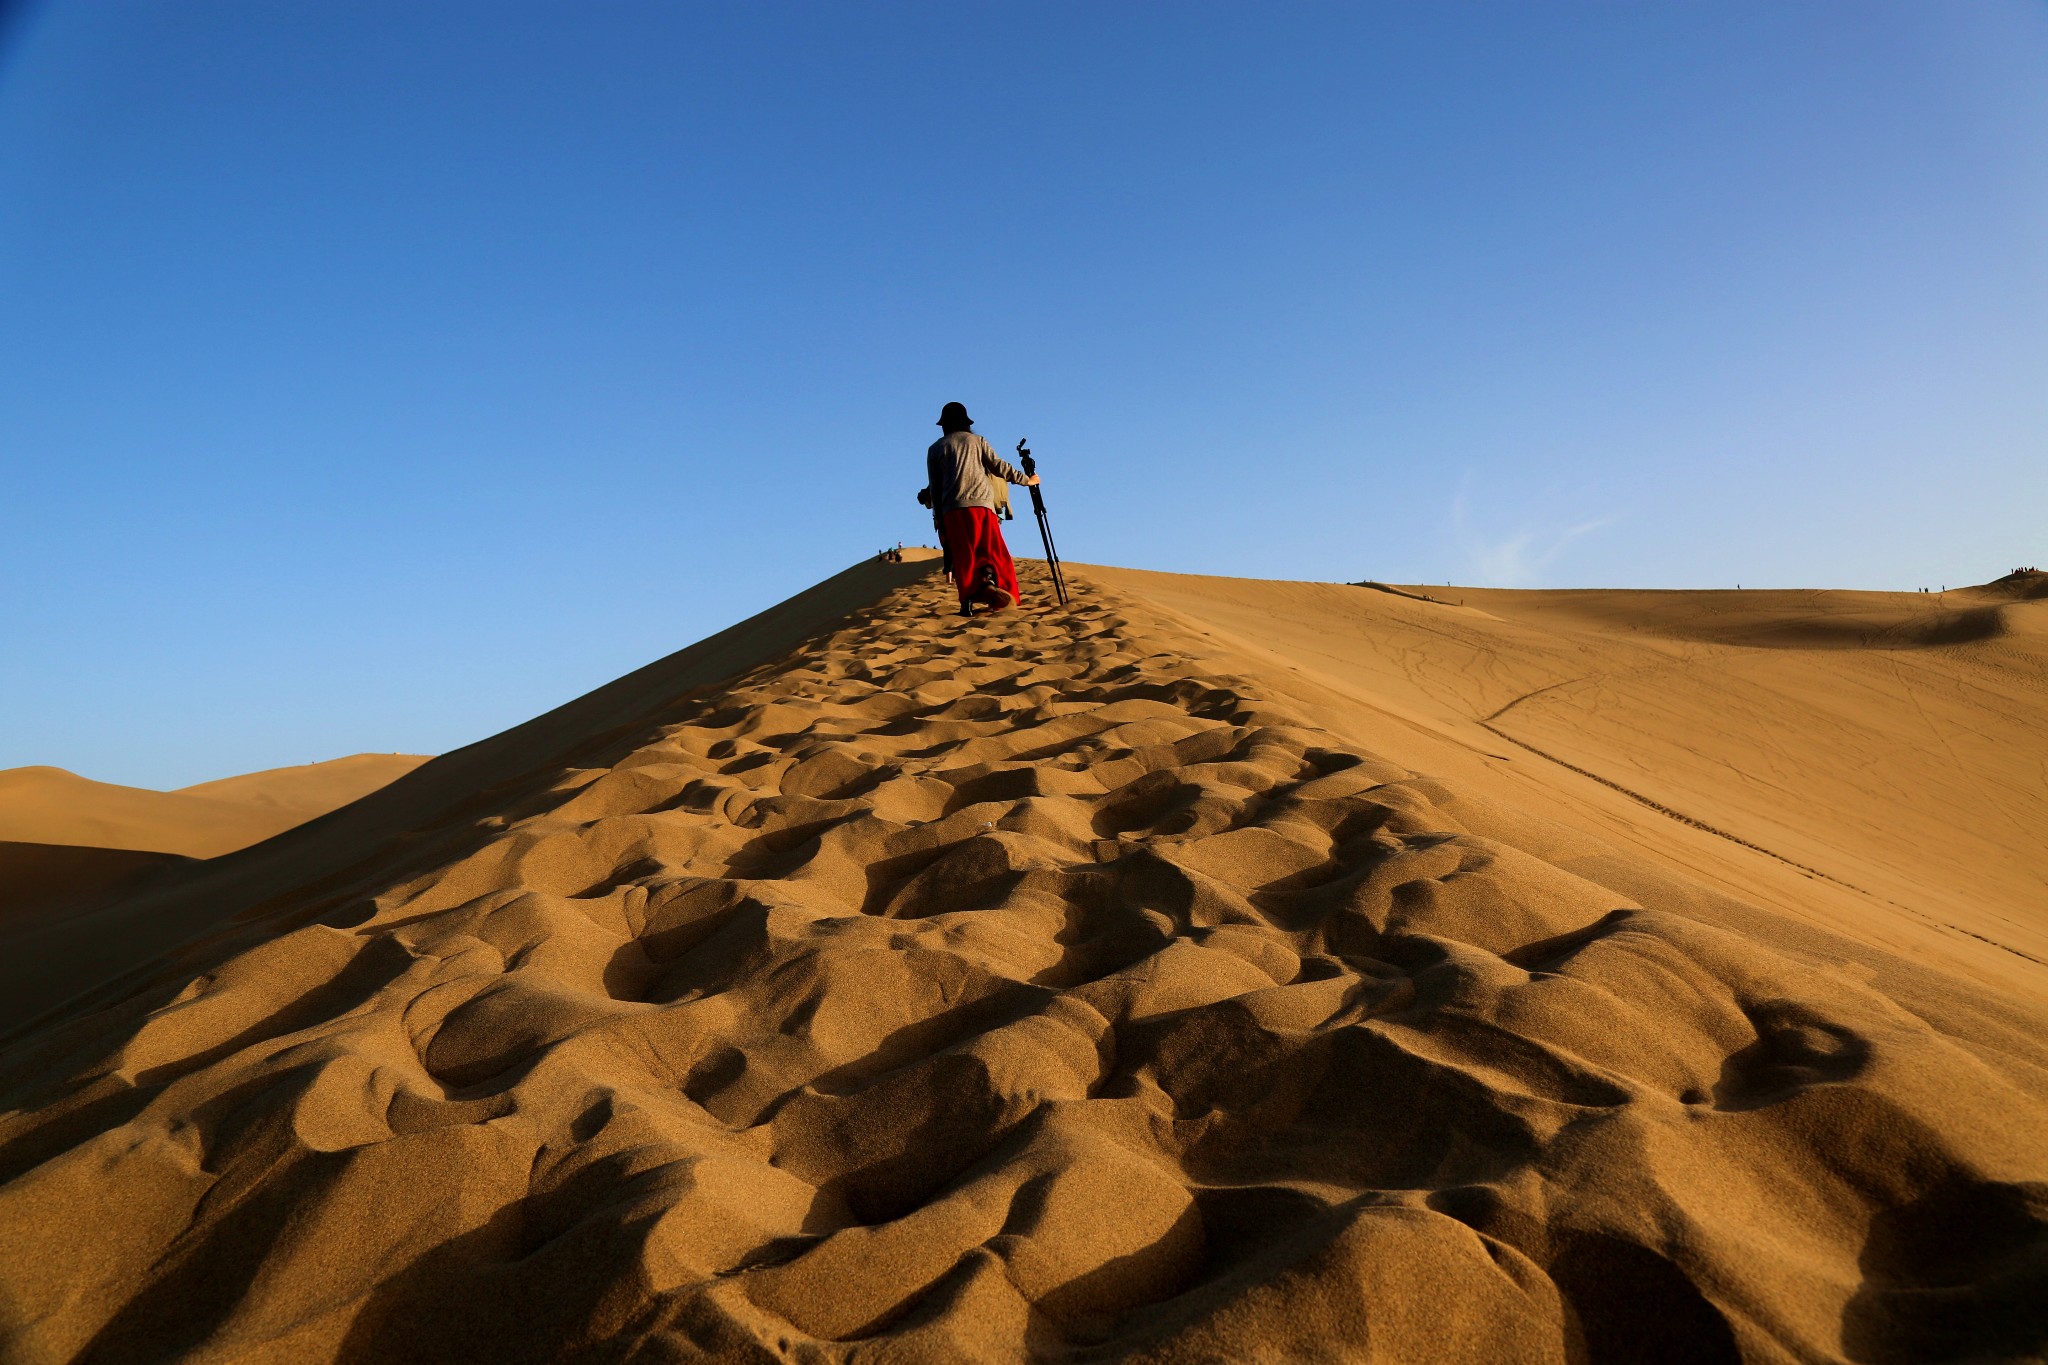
(1526, 696)
(1018, 990)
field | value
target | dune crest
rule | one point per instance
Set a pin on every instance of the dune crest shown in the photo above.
(1017, 989)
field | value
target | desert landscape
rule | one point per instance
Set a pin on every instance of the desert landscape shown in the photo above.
(1211, 970)
(63, 836)
(1519, 838)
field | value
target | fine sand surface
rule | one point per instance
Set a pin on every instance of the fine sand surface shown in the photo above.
(38, 879)
(52, 806)
(65, 839)
(869, 984)
(1873, 763)
(314, 787)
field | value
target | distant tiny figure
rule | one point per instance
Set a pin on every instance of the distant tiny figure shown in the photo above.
(963, 477)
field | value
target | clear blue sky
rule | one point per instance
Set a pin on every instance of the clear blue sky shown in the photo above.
(376, 375)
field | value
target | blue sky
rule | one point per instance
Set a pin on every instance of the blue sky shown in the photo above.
(375, 376)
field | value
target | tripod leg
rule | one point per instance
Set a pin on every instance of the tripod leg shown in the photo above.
(1059, 576)
(1052, 559)
(1052, 556)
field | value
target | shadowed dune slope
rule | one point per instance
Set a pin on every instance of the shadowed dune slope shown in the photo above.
(52, 806)
(1872, 763)
(1032, 988)
(40, 878)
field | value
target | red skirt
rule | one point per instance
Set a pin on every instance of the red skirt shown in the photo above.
(974, 543)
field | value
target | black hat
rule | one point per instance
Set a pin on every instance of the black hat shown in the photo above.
(954, 416)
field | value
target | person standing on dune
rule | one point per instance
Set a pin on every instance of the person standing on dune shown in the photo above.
(964, 478)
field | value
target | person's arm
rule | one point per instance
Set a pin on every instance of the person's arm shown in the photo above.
(1002, 468)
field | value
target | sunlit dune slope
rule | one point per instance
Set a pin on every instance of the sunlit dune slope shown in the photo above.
(417, 815)
(312, 787)
(52, 806)
(1876, 763)
(869, 984)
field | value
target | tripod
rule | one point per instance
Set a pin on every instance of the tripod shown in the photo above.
(1052, 556)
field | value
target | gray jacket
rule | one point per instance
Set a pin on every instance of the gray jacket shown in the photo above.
(963, 471)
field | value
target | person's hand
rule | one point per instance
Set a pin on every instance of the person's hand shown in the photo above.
(1031, 481)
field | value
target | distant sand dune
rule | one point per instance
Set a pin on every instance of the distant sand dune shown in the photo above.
(2020, 585)
(1048, 987)
(315, 787)
(52, 806)
(1772, 620)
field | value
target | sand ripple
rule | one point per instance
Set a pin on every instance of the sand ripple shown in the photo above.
(1002, 991)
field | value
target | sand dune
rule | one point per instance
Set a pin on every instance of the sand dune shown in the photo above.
(881, 986)
(1873, 763)
(51, 806)
(40, 878)
(314, 787)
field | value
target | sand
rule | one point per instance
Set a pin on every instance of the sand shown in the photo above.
(51, 806)
(311, 787)
(1875, 764)
(866, 984)
(66, 840)
(44, 879)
